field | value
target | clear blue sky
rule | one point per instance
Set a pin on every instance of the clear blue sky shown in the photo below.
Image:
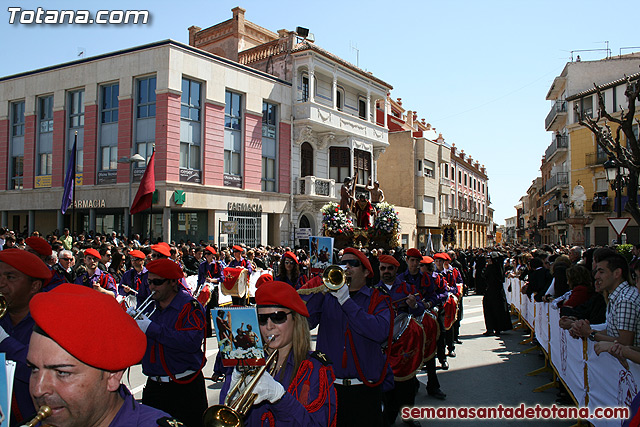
(477, 71)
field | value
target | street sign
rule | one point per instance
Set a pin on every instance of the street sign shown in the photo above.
(303, 233)
(618, 224)
(229, 227)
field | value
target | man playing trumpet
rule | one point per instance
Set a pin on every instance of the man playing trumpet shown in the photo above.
(81, 345)
(22, 276)
(354, 322)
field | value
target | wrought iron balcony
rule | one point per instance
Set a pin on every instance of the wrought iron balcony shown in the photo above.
(559, 179)
(558, 143)
(595, 159)
(557, 116)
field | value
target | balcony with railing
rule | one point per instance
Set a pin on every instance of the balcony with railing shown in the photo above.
(316, 187)
(599, 205)
(555, 216)
(558, 180)
(560, 142)
(595, 159)
(557, 117)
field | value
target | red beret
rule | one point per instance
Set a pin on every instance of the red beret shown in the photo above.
(442, 255)
(238, 248)
(282, 294)
(39, 245)
(162, 249)
(137, 254)
(210, 249)
(93, 253)
(89, 325)
(388, 259)
(26, 263)
(426, 260)
(363, 259)
(291, 255)
(413, 252)
(165, 268)
(263, 279)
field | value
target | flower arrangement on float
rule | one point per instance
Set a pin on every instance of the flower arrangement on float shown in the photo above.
(334, 220)
(387, 219)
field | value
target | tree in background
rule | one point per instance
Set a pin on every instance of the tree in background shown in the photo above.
(627, 156)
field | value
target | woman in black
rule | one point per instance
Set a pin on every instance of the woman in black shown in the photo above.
(494, 303)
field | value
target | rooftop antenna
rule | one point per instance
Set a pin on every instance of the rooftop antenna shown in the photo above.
(355, 47)
(629, 47)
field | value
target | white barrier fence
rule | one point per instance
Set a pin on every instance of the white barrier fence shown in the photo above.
(595, 381)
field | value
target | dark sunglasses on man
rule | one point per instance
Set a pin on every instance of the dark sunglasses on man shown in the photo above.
(351, 262)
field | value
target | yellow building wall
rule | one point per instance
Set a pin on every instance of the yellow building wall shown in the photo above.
(583, 143)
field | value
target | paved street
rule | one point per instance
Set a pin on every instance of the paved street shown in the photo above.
(486, 372)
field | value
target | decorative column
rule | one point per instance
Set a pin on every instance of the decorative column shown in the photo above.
(166, 224)
(312, 85)
(386, 108)
(334, 92)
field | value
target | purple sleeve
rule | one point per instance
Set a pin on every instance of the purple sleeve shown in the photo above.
(373, 326)
(319, 410)
(188, 337)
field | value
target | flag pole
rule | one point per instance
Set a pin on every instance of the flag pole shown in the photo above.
(73, 212)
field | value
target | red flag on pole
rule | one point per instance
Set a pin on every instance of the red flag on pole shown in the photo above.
(144, 195)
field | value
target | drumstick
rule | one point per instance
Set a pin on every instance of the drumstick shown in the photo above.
(407, 297)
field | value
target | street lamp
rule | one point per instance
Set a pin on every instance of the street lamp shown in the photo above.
(616, 175)
(127, 216)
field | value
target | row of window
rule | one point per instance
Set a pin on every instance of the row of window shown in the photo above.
(426, 168)
(145, 111)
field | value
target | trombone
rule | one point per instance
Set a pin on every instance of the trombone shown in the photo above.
(333, 278)
(233, 411)
(43, 413)
(138, 311)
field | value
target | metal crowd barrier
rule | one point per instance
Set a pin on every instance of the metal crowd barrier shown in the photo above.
(593, 381)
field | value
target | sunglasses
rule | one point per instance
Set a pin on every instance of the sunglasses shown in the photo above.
(390, 268)
(351, 262)
(66, 259)
(289, 262)
(277, 318)
(157, 282)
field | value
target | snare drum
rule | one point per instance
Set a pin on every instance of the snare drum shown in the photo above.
(407, 350)
(236, 282)
(429, 322)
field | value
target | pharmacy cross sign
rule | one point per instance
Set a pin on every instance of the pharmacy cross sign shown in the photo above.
(618, 224)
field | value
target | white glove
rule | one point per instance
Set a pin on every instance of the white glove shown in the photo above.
(341, 294)
(131, 311)
(268, 388)
(143, 322)
(3, 334)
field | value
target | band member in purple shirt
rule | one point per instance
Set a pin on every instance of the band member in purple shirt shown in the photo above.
(22, 276)
(301, 390)
(405, 298)
(354, 322)
(95, 278)
(78, 360)
(412, 274)
(174, 357)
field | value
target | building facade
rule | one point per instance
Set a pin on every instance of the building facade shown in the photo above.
(209, 122)
(574, 157)
(335, 131)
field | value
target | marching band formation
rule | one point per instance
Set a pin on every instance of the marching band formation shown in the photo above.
(73, 339)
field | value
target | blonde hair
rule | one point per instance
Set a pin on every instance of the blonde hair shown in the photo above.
(301, 343)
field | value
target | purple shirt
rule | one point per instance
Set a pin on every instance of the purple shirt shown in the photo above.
(290, 409)
(245, 263)
(16, 348)
(399, 290)
(434, 289)
(213, 270)
(179, 330)
(105, 280)
(134, 414)
(410, 279)
(369, 331)
(56, 279)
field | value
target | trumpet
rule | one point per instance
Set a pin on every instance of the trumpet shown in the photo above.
(233, 411)
(333, 277)
(43, 413)
(145, 304)
(3, 306)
